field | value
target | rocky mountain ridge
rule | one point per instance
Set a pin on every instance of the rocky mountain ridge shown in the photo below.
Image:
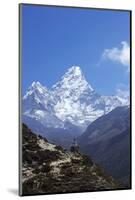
(47, 168)
(107, 141)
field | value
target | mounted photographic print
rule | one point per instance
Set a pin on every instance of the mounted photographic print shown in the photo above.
(75, 99)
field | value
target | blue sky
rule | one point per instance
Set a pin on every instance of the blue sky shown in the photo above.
(54, 39)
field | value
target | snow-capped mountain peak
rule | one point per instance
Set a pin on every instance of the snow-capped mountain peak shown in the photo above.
(36, 84)
(73, 79)
(74, 70)
(70, 101)
(36, 88)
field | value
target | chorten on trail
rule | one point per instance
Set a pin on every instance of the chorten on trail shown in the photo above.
(74, 147)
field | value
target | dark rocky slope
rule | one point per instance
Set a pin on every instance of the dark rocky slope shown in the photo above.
(48, 168)
(107, 141)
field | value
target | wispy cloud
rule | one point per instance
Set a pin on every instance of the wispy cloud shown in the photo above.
(119, 55)
(123, 91)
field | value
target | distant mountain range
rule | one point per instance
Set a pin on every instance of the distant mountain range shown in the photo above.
(107, 141)
(47, 168)
(67, 108)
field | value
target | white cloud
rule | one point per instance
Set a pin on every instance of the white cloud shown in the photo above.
(123, 91)
(120, 55)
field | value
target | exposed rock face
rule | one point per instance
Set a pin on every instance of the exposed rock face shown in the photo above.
(48, 168)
